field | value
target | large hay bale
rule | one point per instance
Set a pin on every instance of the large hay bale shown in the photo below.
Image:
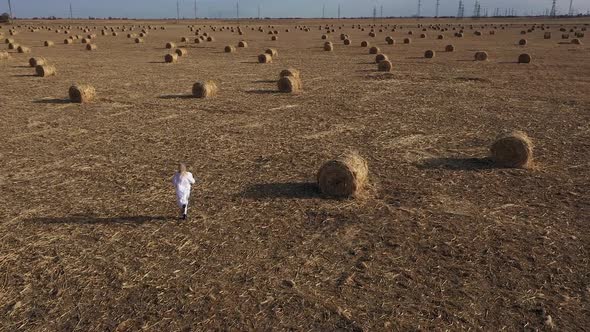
(513, 150)
(171, 58)
(37, 61)
(183, 40)
(440, 37)
(345, 176)
(210, 39)
(265, 58)
(138, 40)
(243, 44)
(91, 47)
(68, 41)
(429, 54)
(4, 55)
(9, 41)
(45, 70)
(524, 58)
(576, 41)
(181, 51)
(407, 41)
(364, 43)
(13, 46)
(289, 84)
(328, 47)
(449, 48)
(23, 49)
(81, 93)
(385, 66)
(170, 45)
(205, 89)
(481, 56)
(347, 41)
(273, 52)
(374, 50)
(48, 43)
(380, 57)
(290, 72)
(522, 42)
(230, 49)
(273, 38)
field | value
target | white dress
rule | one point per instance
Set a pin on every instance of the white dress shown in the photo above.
(182, 184)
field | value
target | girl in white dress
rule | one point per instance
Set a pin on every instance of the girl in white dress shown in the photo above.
(182, 181)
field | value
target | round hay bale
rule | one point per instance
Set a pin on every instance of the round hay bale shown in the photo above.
(347, 41)
(290, 72)
(45, 70)
(181, 51)
(380, 57)
(576, 41)
(289, 84)
(210, 39)
(85, 41)
(364, 43)
(429, 54)
(170, 45)
(272, 52)
(481, 56)
(4, 55)
(114, 34)
(206, 89)
(513, 150)
(440, 37)
(423, 35)
(197, 41)
(37, 61)
(522, 42)
(91, 47)
(389, 40)
(23, 49)
(81, 93)
(68, 41)
(9, 41)
(345, 176)
(48, 43)
(374, 50)
(171, 58)
(230, 49)
(407, 41)
(265, 58)
(449, 48)
(243, 44)
(183, 40)
(273, 38)
(138, 40)
(324, 37)
(524, 58)
(385, 66)
(13, 46)
(328, 47)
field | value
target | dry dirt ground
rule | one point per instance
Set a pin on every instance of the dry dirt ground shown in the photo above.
(442, 240)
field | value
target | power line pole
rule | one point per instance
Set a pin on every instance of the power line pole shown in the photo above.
(374, 14)
(571, 11)
(419, 8)
(553, 11)
(238, 12)
(195, 9)
(177, 11)
(10, 9)
(338, 11)
(71, 12)
(258, 11)
(437, 8)
(324, 11)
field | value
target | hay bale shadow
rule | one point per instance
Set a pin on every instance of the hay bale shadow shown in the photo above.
(89, 219)
(53, 101)
(302, 190)
(177, 97)
(265, 81)
(25, 75)
(263, 92)
(465, 164)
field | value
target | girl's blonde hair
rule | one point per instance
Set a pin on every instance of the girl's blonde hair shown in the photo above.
(182, 169)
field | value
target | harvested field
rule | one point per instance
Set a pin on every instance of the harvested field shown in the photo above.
(441, 239)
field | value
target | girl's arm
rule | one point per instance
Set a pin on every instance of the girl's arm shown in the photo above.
(191, 179)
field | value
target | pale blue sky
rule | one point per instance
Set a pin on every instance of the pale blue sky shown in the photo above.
(271, 8)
